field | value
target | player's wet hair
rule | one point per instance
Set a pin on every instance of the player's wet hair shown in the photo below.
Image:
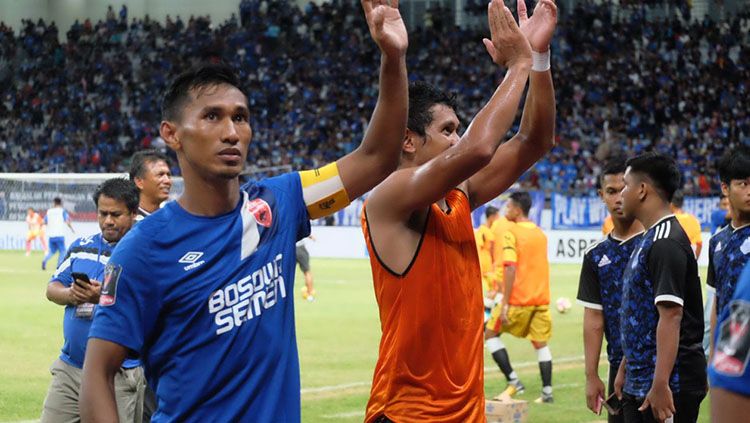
(678, 199)
(522, 200)
(140, 158)
(734, 164)
(119, 189)
(613, 166)
(661, 171)
(205, 76)
(422, 96)
(490, 211)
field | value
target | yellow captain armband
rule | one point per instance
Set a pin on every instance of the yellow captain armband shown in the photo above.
(323, 191)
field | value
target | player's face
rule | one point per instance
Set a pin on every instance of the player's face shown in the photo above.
(611, 193)
(512, 211)
(156, 181)
(724, 203)
(738, 194)
(214, 132)
(630, 194)
(115, 220)
(440, 135)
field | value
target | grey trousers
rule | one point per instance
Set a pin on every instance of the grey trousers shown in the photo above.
(61, 404)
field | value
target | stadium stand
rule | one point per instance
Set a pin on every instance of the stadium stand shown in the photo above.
(631, 84)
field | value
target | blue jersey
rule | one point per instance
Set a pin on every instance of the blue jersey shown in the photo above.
(662, 268)
(86, 255)
(728, 252)
(600, 286)
(207, 303)
(728, 368)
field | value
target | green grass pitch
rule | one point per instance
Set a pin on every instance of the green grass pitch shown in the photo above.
(338, 337)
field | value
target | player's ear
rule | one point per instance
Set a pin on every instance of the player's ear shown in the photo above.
(168, 132)
(725, 189)
(138, 183)
(409, 142)
(643, 188)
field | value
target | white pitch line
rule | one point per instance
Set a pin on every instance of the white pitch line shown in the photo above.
(344, 415)
(490, 369)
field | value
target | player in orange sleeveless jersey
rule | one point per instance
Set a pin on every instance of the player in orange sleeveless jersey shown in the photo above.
(524, 309)
(690, 224)
(417, 226)
(36, 230)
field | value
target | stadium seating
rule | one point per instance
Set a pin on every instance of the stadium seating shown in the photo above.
(624, 84)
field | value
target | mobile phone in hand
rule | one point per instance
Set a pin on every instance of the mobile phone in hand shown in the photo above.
(613, 405)
(81, 279)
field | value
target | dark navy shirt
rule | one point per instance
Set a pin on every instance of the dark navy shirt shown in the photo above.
(662, 268)
(728, 252)
(600, 286)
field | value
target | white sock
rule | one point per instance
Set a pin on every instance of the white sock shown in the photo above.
(513, 377)
(494, 344)
(544, 354)
(547, 390)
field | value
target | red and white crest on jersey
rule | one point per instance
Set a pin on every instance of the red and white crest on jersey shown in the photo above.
(261, 210)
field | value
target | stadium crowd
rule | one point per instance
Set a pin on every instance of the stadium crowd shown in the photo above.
(625, 84)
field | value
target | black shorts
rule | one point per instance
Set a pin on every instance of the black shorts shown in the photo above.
(303, 259)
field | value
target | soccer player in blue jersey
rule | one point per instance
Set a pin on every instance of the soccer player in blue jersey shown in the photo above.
(203, 289)
(116, 205)
(600, 287)
(55, 221)
(728, 373)
(729, 248)
(661, 317)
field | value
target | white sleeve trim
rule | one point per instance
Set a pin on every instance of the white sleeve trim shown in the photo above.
(668, 298)
(592, 306)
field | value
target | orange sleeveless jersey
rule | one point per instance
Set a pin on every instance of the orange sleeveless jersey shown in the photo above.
(430, 363)
(608, 225)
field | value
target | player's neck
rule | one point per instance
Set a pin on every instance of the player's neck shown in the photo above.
(626, 229)
(650, 216)
(522, 219)
(209, 198)
(149, 205)
(740, 219)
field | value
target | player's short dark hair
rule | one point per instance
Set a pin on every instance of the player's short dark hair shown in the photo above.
(422, 96)
(678, 199)
(613, 166)
(490, 211)
(661, 170)
(734, 164)
(119, 189)
(57, 201)
(203, 76)
(523, 200)
(140, 158)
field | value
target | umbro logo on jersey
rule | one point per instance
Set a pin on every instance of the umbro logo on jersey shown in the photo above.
(191, 259)
(604, 261)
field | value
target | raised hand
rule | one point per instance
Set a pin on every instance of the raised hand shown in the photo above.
(541, 26)
(508, 45)
(386, 26)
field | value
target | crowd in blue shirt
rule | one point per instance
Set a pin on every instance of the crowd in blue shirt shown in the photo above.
(624, 84)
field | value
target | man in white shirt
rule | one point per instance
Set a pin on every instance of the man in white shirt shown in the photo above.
(55, 221)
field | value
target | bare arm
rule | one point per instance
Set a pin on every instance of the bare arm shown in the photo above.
(712, 322)
(536, 134)
(533, 140)
(379, 152)
(593, 333)
(509, 277)
(728, 407)
(102, 362)
(75, 294)
(429, 182)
